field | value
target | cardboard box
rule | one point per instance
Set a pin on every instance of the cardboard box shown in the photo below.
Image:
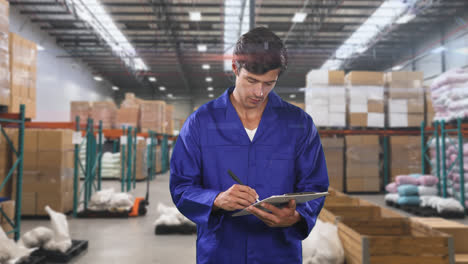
(358, 140)
(55, 140)
(363, 184)
(8, 208)
(375, 106)
(358, 119)
(416, 106)
(362, 170)
(403, 76)
(29, 203)
(58, 201)
(56, 159)
(365, 78)
(336, 77)
(376, 120)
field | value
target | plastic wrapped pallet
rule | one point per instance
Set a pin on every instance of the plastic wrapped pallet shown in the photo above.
(362, 163)
(129, 112)
(23, 71)
(81, 109)
(365, 93)
(106, 112)
(4, 55)
(325, 98)
(152, 116)
(405, 99)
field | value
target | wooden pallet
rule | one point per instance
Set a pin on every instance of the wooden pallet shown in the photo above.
(389, 241)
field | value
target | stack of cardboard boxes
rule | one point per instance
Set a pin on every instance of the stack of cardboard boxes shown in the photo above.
(363, 163)
(4, 55)
(81, 109)
(405, 156)
(366, 99)
(8, 208)
(105, 111)
(141, 160)
(169, 122)
(405, 99)
(5, 164)
(334, 155)
(129, 112)
(158, 159)
(430, 112)
(48, 171)
(23, 71)
(152, 116)
(325, 98)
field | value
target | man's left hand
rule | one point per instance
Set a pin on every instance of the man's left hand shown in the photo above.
(279, 217)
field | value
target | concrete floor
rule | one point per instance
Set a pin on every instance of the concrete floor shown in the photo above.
(123, 241)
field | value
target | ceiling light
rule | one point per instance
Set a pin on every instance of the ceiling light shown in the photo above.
(162, 88)
(152, 79)
(397, 68)
(95, 15)
(206, 66)
(236, 23)
(211, 95)
(202, 48)
(115, 88)
(208, 79)
(98, 78)
(195, 16)
(438, 50)
(169, 95)
(292, 96)
(405, 18)
(388, 13)
(40, 48)
(210, 88)
(299, 17)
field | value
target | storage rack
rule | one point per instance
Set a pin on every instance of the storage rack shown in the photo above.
(18, 120)
(385, 133)
(441, 133)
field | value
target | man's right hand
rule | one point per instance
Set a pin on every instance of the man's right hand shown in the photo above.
(235, 198)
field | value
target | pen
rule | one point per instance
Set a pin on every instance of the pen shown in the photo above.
(234, 177)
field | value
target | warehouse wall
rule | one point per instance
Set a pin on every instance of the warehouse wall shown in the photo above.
(454, 36)
(59, 80)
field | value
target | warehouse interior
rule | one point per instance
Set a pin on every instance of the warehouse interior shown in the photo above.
(94, 94)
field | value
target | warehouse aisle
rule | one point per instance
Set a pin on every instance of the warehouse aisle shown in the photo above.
(123, 241)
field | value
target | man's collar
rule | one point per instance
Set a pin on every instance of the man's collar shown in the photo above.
(223, 101)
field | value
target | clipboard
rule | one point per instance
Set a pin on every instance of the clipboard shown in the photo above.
(283, 200)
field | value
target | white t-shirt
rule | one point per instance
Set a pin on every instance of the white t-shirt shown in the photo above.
(251, 133)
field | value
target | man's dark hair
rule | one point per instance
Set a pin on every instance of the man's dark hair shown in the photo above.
(259, 51)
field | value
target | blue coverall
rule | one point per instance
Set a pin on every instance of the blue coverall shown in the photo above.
(285, 156)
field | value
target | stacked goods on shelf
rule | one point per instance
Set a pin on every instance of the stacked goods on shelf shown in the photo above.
(408, 189)
(129, 112)
(152, 116)
(430, 112)
(325, 98)
(452, 161)
(81, 109)
(366, 99)
(158, 159)
(449, 94)
(23, 71)
(169, 121)
(334, 155)
(405, 99)
(405, 155)
(363, 163)
(104, 111)
(48, 171)
(5, 163)
(110, 166)
(4, 54)
(8, 208)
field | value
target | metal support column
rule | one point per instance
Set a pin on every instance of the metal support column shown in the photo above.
(461, 168)
(129, 157)
(76, 170)
(386, 160)
(443, 159)
(122, 160)
(135, 143)
(99, 168)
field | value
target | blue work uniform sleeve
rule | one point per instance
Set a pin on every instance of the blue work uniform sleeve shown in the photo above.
(188, 194)
(311, 176)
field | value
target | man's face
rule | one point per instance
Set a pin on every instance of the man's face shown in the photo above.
(253, 89)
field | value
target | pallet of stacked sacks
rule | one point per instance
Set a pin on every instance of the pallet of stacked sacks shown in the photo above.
(455, 174)
(418, 194)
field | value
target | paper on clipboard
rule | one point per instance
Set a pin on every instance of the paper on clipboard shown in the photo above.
(280, 200)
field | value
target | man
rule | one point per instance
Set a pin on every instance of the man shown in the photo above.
(272, 146)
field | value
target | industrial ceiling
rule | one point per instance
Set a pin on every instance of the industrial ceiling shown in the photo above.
(167, 39)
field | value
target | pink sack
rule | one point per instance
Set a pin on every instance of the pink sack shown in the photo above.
(405, 179)
(428, 180)
(392, 187)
